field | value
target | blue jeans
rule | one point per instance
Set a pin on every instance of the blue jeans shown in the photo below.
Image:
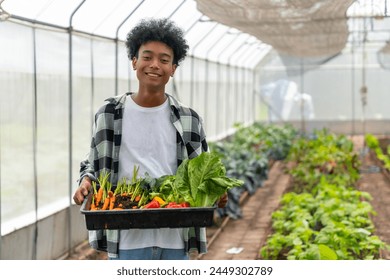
(152, 253)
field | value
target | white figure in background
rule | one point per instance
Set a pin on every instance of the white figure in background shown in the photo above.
(294, 102)
(305, 100)
(288, 100)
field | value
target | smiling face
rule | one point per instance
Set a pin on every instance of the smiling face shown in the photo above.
(154, 66)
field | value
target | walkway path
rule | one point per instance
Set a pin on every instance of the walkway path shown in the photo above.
(242, 238)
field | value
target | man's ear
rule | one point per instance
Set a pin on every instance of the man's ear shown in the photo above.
(134, 63)
(174, 66)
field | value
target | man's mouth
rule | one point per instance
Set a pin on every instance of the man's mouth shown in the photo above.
(153, 75)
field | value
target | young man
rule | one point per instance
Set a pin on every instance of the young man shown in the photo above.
(151, 129)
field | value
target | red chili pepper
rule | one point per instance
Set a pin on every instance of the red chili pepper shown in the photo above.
(152, 204)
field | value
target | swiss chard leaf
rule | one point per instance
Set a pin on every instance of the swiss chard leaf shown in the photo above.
(203, 168)
(202, 180)
(182, 183)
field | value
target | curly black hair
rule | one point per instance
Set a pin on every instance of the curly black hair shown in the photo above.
(161, 30)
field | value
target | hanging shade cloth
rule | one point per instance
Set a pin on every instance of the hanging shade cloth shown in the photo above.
(308, 28)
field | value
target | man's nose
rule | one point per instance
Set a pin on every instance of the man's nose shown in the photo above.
(155, 63)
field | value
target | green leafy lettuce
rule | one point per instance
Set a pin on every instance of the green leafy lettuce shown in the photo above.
(201, 181)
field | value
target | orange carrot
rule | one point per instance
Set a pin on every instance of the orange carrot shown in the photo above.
(93, 206)
(112, 202)
(99, 196)
(106, 203)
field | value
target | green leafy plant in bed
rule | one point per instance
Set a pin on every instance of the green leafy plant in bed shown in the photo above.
(326, 154)
(325, 217)
(248, 154)
(372, 142)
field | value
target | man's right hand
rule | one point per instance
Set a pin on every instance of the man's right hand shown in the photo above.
(82, 190)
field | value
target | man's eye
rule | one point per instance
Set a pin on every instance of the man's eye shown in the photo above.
(146, 57)
(164, 60)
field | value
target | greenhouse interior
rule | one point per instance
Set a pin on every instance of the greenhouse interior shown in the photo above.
(275, 82)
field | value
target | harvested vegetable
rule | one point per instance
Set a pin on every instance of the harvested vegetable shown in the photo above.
(177, 205)
(112, 200)
(159, 200)
(152, 204)
(99, 196)
(106, 203)
(198, 182)
(201, 181)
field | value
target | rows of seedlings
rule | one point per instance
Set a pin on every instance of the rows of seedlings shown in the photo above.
(248, 156)
(323, 216)
(380, 149)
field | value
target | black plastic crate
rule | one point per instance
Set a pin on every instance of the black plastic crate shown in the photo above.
(146, 218)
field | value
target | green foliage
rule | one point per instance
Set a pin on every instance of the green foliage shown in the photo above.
(372, 142)
(272, 140)
(201, 181)
(326, 155)
(246, 154)
(326, 217)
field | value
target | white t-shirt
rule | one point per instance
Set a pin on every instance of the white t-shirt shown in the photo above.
(148, 141)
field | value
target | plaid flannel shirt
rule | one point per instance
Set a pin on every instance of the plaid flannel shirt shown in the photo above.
(104, 156)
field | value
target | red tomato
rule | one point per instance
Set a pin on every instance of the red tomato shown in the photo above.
(185, 204)
(173, 205)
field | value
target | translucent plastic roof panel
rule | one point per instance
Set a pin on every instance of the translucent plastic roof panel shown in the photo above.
(51, 11)
(113, 19)
(100, 17)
